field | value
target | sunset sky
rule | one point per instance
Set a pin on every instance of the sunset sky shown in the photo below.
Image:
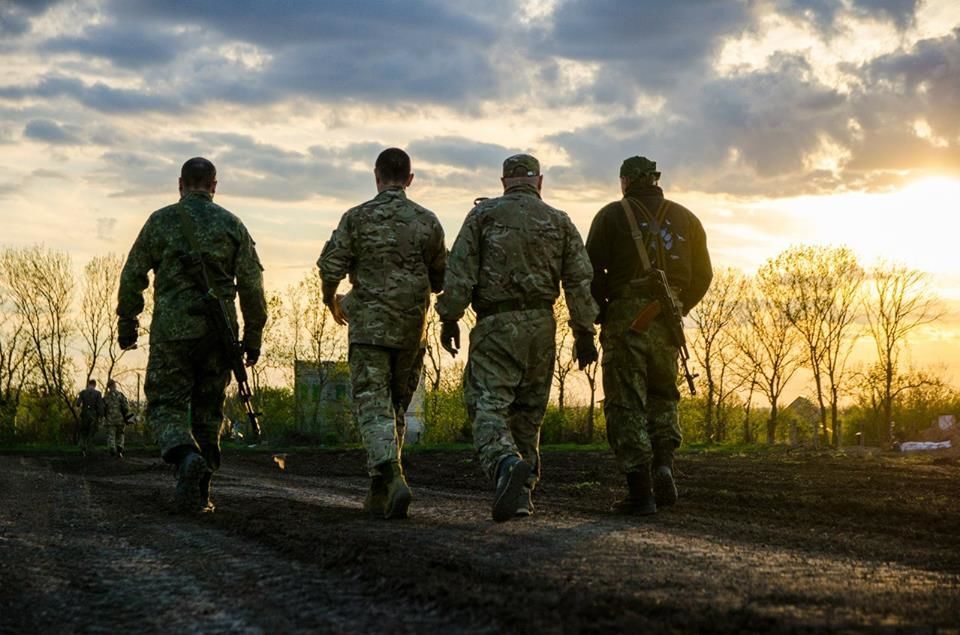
(777, 122)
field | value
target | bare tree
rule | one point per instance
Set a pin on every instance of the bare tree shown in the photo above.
(768, 342)
(900, 302)
(564, 361)
(98, 322)
(821, 288)
(433, 356)
(713, 343)
(41, 286)
(275, 355)
(15, 364)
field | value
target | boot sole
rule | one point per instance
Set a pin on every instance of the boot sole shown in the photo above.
(664, 490)
(397, 505)
(187, 497)
(505, 504)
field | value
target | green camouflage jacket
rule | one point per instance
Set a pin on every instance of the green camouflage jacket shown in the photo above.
(393, 252)
(232, 264)
(516, 248)
(116, 404)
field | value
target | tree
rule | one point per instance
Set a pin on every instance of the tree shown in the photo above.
(821, 287)
(15, 365)
(98, 321)
(564, 361)
(900, 302)
(768, 342)
(591, 372)
(714, 346)
(40, 284)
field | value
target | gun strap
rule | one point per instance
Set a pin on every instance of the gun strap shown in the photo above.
(190, 233)
(637, 235)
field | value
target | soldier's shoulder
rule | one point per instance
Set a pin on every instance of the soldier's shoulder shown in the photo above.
(483, 205)
(422, 211)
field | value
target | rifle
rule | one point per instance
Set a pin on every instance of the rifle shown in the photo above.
(664, 299)
(215, 308)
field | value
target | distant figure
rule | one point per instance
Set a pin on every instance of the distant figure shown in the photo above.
(188, 368)
(640, 368)
(91, 405)
(116, 417)
(509, 260)
(393, 251)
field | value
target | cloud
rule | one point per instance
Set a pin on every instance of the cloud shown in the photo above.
(15, 15)
(459, 152)
(51, 132)
(105, 228)
(97, 96)
(827, 14)
(127, 45)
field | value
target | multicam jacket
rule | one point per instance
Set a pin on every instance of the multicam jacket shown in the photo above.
(517, 249)
(231, 260)
(393, 252)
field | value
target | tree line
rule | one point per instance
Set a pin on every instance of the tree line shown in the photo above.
(794, 322)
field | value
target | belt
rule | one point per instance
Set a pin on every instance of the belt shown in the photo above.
(513, 305)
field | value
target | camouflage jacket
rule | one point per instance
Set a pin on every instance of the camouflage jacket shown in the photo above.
(393, 251)
(680, 250)
(116, 405)
(516, 248)
(90, 401)
(232, 264)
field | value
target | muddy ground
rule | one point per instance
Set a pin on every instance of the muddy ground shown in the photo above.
(781, 541)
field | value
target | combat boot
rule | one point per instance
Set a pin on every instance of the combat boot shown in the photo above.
(639, 500)
(376, 501)
(398, 494)
(525, 502)
(191, 470)
(664, 487)
(512, 475)
(206, 503)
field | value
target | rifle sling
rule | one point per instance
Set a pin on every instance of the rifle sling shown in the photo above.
(189, 232)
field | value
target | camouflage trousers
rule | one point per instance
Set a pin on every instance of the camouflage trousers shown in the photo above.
(115, 437)
(639, 386)
(382, 382)
(87, 429)
(185, 387)
(507, 385)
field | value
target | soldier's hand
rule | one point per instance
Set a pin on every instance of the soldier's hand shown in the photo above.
(336, 310)
(127, 334)
(450, 337)
(585, 349)
(253, 355)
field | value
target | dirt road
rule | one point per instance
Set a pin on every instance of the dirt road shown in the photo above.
(758, 543)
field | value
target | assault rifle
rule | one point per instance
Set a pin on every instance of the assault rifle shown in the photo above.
(664, 298)
(215, 308)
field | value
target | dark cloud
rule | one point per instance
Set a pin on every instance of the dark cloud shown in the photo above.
(459, 152)
(125, 45)
(97, 96)
(826, 14)
(50, 132)
(15, 15)
(643, 44)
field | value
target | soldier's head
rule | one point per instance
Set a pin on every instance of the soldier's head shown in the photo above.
(638, 171)
(198, 175)
(91, 383)
(521, 169)
(392, 169)
(111, 384)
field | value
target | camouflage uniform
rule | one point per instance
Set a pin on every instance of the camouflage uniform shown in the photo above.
(187, 371)
(90, 401)
(640, 369)
(508, 261)
(393, 252)
(115, 403)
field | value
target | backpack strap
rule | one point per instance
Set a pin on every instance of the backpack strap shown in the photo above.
(637, 235)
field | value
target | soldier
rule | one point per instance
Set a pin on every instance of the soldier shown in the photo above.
(90, 402)
(115, 417)
(188, 368)
(393, 251)
(640, 369)
(509, 259)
